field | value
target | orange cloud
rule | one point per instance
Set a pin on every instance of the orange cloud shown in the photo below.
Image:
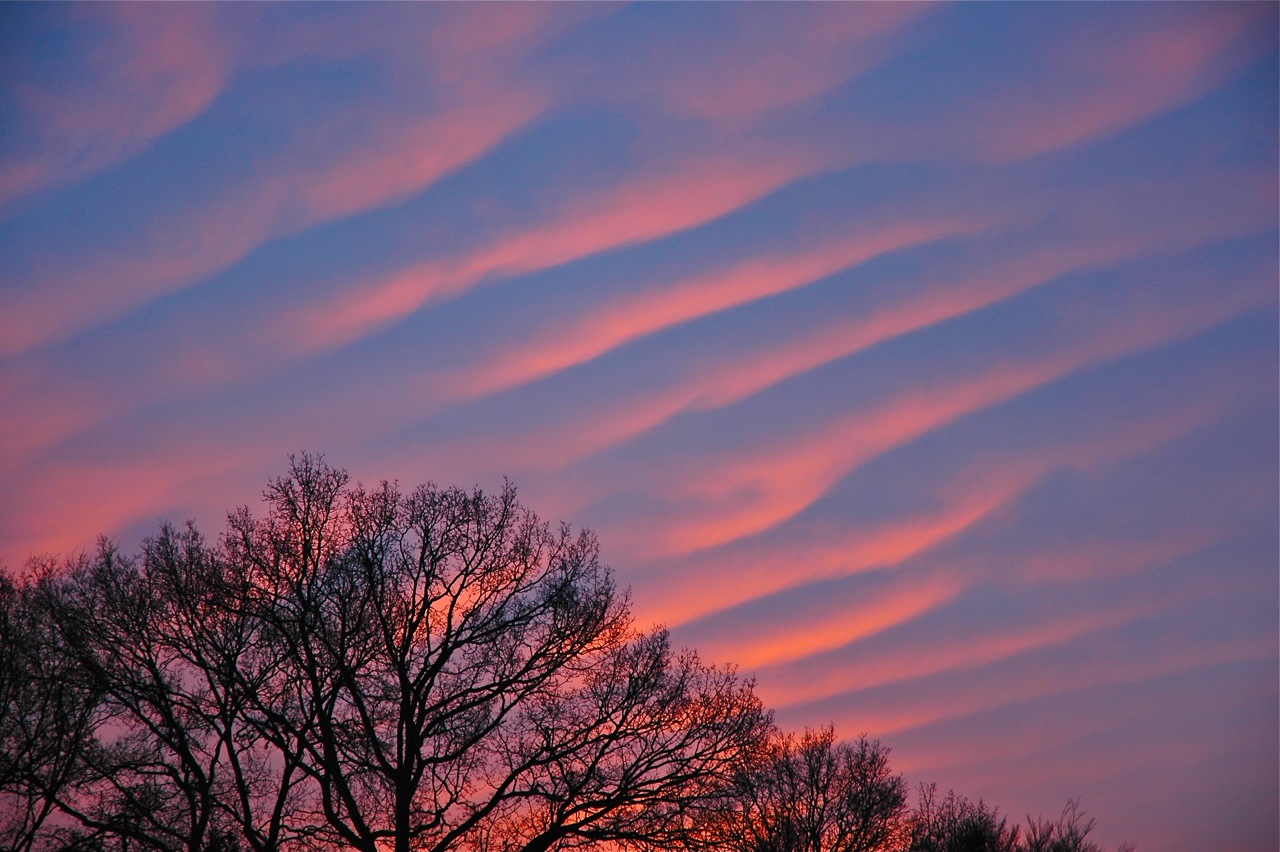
(781, 643)
(713, 583)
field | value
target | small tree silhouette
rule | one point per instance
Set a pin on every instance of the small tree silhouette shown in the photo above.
(955, 824)
(813, 793)
(1068, 833)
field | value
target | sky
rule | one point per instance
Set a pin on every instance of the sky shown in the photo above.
(921, 360)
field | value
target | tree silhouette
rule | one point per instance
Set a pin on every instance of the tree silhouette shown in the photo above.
(1069, 833)
(955, 824)
(46, 714)
(435, 670)
(369, 669)
(816, 794)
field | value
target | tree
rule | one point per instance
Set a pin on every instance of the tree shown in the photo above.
(46, 714)
(371, 669)
(166, 649)
(817, 794)
(955, 824)
(1068, 833)
(434, 670)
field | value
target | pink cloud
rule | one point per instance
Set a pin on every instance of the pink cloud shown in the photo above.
(38, 416)
(781, 643)
(994, 691)
(644, 312)
(162, 66)
(713, 380)
(778, 57)
(697, 585)
(64, 505)
(724, 497)
(1108, 81)
(1104, 230)
(712, 583)
(453, 44)
(380, 173)
(1000, 668)
(642, 208)
(762, 59)
(815, 683)
(391, 161)
(824, 677)
(758, 489)
(1084, 83)
(147, 70)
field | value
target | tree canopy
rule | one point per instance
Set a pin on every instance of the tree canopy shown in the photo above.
(362, 668)
(438, 669)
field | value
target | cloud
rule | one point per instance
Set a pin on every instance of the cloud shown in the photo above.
(761, 59)
(52, 513)
(640, 208)
(391, 159)
(35, 417)
(1018, 677)
(1045, 83)
(969, 477)
(694, 588)
(722, 498)
(920, 359)
(988, 625)
(439, 108)
(1161, 551)
(705, 355)
(137, 72)
(644, 311)
(918, 661)
(774, 633)
(1108, 79)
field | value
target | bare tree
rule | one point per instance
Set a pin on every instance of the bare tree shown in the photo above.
(639, 750)
(435, 670)
(358, 668)
(1068, 833)
(442, 657)
(813, 793)
(47, 713)
(166, 642)
(956, 824)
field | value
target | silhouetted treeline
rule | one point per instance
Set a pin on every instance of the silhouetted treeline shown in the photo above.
(379, 670)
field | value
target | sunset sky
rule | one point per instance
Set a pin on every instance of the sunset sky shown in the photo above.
(920, 359)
